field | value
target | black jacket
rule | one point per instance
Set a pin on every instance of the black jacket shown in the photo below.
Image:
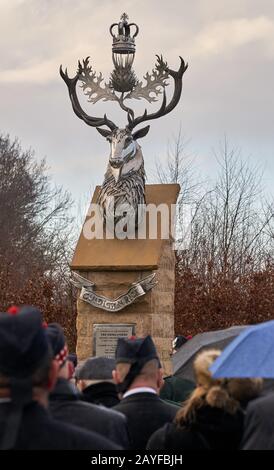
(39, 431)
(145, 413)
(66, 405)
(259, 424)
(213, 429)
(102, 393)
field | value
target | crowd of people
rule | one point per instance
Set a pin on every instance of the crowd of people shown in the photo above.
(47, 401)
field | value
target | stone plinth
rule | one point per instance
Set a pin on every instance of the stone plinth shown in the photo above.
(126, 255)
(151, 314)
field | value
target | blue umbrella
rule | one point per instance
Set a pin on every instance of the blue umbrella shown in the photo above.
(251, 354)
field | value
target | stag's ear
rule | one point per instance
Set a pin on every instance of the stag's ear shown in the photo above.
(140, 133)
(104, 132)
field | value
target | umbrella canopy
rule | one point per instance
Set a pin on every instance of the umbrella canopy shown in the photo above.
(250, 355)
(184, 357)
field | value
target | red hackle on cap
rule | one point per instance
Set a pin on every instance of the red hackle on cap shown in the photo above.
(13, 310)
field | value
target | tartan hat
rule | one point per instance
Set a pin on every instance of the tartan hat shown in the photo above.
(57, 340)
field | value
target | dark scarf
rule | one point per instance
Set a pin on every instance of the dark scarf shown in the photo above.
(64, 390)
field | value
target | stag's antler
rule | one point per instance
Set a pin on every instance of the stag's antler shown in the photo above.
(91, 121)
(164, 109)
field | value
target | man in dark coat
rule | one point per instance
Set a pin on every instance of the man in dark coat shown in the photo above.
(94, 380)
(65, 401)
(27, 374)
(259, 424)
(138, 376)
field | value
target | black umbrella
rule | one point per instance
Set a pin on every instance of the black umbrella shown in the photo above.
(184, 357)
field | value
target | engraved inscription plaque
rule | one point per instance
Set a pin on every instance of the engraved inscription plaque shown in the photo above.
(105, 337)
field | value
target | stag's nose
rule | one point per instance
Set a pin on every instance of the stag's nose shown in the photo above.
(116, 162)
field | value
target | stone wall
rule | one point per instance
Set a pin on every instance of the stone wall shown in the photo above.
(152, 314)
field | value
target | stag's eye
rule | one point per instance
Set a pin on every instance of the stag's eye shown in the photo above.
(128, 141)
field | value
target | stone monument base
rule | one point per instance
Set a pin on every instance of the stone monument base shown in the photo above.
(151, 314)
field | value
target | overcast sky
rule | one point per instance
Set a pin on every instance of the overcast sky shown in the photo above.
(228, 88)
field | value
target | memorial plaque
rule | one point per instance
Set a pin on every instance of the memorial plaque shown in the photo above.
(105, 337)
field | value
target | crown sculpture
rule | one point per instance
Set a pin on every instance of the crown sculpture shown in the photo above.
(124, 181)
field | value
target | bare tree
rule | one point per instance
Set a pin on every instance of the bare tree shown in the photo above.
(35, 228)
(179, 168)
(230, 232)
(225, 245)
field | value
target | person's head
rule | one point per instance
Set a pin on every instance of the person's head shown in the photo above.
(225, 394)
(57, 340)
(137, 364)
(150, 375)
(178, 342)
(42, 379)
(27, 371)
(24, 350)
(93, 371)
(245, 390)
(241, 389)
(72, 357)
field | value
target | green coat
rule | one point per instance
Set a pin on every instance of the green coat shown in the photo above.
(176, 389)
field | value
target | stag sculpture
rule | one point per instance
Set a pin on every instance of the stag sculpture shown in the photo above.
(124, 182)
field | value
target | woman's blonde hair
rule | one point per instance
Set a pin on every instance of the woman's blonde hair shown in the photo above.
(225, 394)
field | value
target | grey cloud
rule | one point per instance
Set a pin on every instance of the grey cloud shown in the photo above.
(228, 87)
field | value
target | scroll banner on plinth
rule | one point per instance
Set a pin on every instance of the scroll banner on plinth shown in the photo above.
(136, 290)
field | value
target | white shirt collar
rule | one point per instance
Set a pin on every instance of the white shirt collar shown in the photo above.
(139, 390)
(5, 400)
